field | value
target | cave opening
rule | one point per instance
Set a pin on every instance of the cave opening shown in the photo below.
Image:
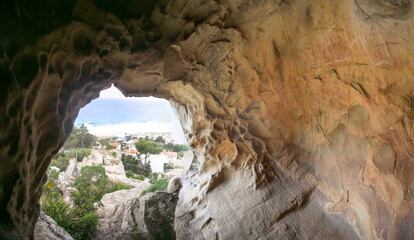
(299, 113)
(122, 154)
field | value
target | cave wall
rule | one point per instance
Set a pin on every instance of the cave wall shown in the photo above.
(300, 113)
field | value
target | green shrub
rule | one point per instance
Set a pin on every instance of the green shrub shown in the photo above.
(113, 154)
(104, 141)
(50, 189)
(80, 138)
(177, 147)
(147, 169)
(135, 166)
(81, 153)
(79, 220)
(80, 223)
(157, 184)
(90, 187)
(57, 209)
(116, 186)
(148, 147)
(81, 227)
(61, 160)
(130, 174)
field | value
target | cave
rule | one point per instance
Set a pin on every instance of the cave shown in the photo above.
(300, 113)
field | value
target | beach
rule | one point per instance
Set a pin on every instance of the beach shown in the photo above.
(119, 130)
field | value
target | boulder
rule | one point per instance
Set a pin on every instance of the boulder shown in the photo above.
(174, 185)
(67, 178)
(47, 229)
(150, 217)
(111, 210)
(112, 164)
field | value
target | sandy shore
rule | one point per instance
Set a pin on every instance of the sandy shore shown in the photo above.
(119, 130)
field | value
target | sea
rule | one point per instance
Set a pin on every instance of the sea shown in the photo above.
(120, 116)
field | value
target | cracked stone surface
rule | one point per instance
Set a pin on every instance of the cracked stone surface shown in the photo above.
(47, 229)
(300, 113)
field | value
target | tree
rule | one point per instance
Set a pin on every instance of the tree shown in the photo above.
(160, 140)
(80, 138)
(148, 147)
(177, 147)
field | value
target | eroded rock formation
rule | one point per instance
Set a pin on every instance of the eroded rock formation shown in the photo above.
(150, 217)
(111, 211)
(300, 113)
(134, 214)
(46, 229)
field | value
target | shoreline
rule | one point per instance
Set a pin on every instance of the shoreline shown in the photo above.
(121, 129)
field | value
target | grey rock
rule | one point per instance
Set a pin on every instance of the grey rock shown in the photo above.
(174, 185)
(150, 217)
(47, 229)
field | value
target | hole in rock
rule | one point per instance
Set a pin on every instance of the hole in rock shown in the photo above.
(119, 158)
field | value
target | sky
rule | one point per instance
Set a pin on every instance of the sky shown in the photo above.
(111, 93)
(138, 114)
(115, 93)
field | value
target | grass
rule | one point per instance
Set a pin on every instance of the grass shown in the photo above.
(61, 160)
(116, 186)
(130, 174)
(159, 184)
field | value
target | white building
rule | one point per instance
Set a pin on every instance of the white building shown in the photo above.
(157, 162)
(171, 156)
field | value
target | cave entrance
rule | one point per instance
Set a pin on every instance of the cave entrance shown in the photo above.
(121, 154)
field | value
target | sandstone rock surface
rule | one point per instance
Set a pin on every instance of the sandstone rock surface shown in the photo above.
(300, 113)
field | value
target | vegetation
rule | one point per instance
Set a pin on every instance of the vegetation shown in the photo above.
(90, 186)
(80, 219)
(130, 174)
(158, 183)
(116, 186)
(148, 147)
(177, 147)
(135, 166)
(160, 140)
(77, 222)
(168, 166)
(168, 146)
(61, 160)
(80, 138)
(107, 143)
(81, 153)
(77, 146)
